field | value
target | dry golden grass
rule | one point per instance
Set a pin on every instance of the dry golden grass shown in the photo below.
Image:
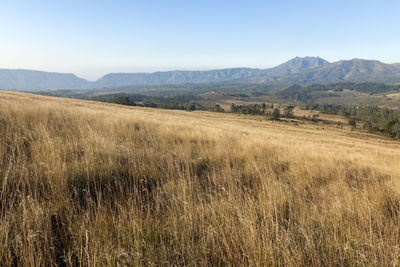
(328, 117)
(84, 183)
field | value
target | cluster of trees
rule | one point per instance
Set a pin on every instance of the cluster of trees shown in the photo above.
(382, 120)
(218, 108)
(263, 109)
(287, 113)
(362, 87)
(237, 89)
(342, 110)
(372, 118)
(307, 93)
(253, 109)
(180, 102)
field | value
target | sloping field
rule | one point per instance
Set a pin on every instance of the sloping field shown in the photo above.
(85, 183)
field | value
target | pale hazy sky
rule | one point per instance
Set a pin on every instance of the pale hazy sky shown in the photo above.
(94, 37)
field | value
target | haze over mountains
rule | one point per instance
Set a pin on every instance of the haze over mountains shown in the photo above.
(299, 70)
(39, 80)
(355, 70)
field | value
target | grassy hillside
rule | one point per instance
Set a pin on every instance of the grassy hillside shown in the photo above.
(101, 184)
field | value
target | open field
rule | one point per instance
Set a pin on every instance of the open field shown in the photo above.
(94, 184)
(329, 117)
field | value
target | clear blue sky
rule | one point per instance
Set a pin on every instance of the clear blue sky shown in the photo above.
(93, 37)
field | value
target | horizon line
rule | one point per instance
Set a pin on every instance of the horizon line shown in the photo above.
(189, 69)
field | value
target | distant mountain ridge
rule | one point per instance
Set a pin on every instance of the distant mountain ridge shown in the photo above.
(20, 79)
(298, 64)
(300, 70)
(177, 77)
(355, 70)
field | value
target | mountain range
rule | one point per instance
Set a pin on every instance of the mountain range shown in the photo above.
(300, 70)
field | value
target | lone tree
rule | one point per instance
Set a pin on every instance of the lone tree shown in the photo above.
(352, 123)
(289, 112)
(367, 126)
(234, 108)
(218, 108)
(276, 114)
(263, 106)
(191, 107)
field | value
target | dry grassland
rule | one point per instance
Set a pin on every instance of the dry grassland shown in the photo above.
(93, 184)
